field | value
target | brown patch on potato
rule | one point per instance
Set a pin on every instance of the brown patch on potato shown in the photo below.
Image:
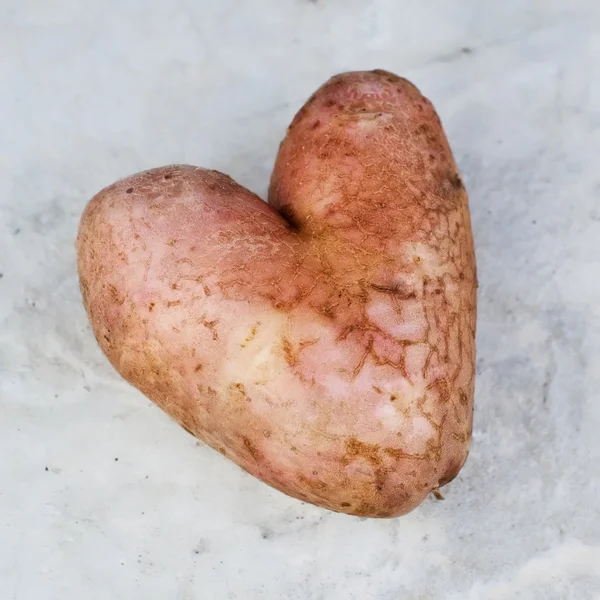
(398, 454)
(288, 352)
(327, 311)
(456, 181)
(425, 130)
(198, 368)
(366, 509)
(357, 449)
(363, 358)
(252, 448)
(314, 486)
(460, 437)
(115, 295)
(399, 291)
(443, 391)
(251, 335)
(240, 391)
(428, 415)
(449, 189)
(210, 325)
(306, 343)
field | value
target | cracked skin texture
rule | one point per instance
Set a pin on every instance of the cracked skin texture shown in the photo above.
(325, 341)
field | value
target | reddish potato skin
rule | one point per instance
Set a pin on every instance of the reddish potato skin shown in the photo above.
(324, 342)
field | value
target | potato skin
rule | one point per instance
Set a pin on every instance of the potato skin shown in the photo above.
(324, 342)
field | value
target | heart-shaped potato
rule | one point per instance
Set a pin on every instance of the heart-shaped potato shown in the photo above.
(325, 341)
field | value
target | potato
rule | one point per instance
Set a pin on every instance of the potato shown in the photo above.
(324, 341)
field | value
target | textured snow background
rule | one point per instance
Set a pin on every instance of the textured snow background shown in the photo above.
(101, 495)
